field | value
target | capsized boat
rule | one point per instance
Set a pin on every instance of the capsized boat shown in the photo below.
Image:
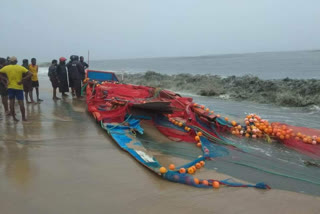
(123, 109)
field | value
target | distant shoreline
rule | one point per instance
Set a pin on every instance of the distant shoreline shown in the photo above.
(282, 92)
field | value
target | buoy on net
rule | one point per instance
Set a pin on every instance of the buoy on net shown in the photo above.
(196, 181)
(216, 184)
(197, 138)
(205, 182)
(163, 170)
(190, 170)
(182, 170)
(172, 167)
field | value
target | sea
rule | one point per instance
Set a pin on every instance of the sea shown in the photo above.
(268, 65)
(277, 165)
(265, 65)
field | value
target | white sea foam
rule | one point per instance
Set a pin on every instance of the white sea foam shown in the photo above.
(315, 108)
(43, 71)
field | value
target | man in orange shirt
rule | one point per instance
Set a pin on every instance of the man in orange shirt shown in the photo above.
(33, 68)
(14, 74)
(27, 84)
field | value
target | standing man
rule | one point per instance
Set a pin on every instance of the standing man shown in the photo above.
(14, 73)
(62, 75)
(3, 87)
(85, 66)
(27, 84)
(75, 71)
(52, 73)
(69, 75)
(33, 67)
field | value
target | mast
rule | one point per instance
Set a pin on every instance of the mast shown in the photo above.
(88, 57)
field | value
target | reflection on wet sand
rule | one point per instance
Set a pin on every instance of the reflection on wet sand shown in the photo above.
(14, 155)
(18, 166)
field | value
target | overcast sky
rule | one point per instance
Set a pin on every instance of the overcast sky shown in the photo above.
(152, 28)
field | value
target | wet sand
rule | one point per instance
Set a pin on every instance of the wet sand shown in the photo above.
(61, 161)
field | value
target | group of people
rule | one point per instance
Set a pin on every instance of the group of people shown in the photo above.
(16, 79)
(65, 75)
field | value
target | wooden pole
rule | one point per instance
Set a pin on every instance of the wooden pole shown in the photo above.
(88, 57)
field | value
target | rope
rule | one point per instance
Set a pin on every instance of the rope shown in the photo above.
(274, 173)
(83, 88)
(242, 164)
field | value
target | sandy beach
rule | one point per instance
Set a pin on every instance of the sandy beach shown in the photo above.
(61, 161)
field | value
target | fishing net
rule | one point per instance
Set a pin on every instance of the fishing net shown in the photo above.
(115, 107)
(303, 140)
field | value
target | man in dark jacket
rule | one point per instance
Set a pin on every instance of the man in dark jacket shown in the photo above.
(62, 75)
(84, 65)
(53, 76)
(75, 70)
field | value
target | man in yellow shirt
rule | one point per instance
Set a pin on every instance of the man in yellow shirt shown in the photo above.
(33, 67)
(14, 74)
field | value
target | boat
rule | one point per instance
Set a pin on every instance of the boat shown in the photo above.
(126, 112)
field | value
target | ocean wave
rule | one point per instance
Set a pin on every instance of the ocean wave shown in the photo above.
(314, 109)
(285, 92)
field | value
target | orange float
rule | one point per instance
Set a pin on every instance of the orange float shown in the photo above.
(205, 182)
(196, 181)
(190, 170)
(172, 167)
(163, 170)
(182, 170)
(198, 165)
(216, 184)
(202, 163)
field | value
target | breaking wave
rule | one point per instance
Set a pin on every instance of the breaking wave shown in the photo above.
(283, 92)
